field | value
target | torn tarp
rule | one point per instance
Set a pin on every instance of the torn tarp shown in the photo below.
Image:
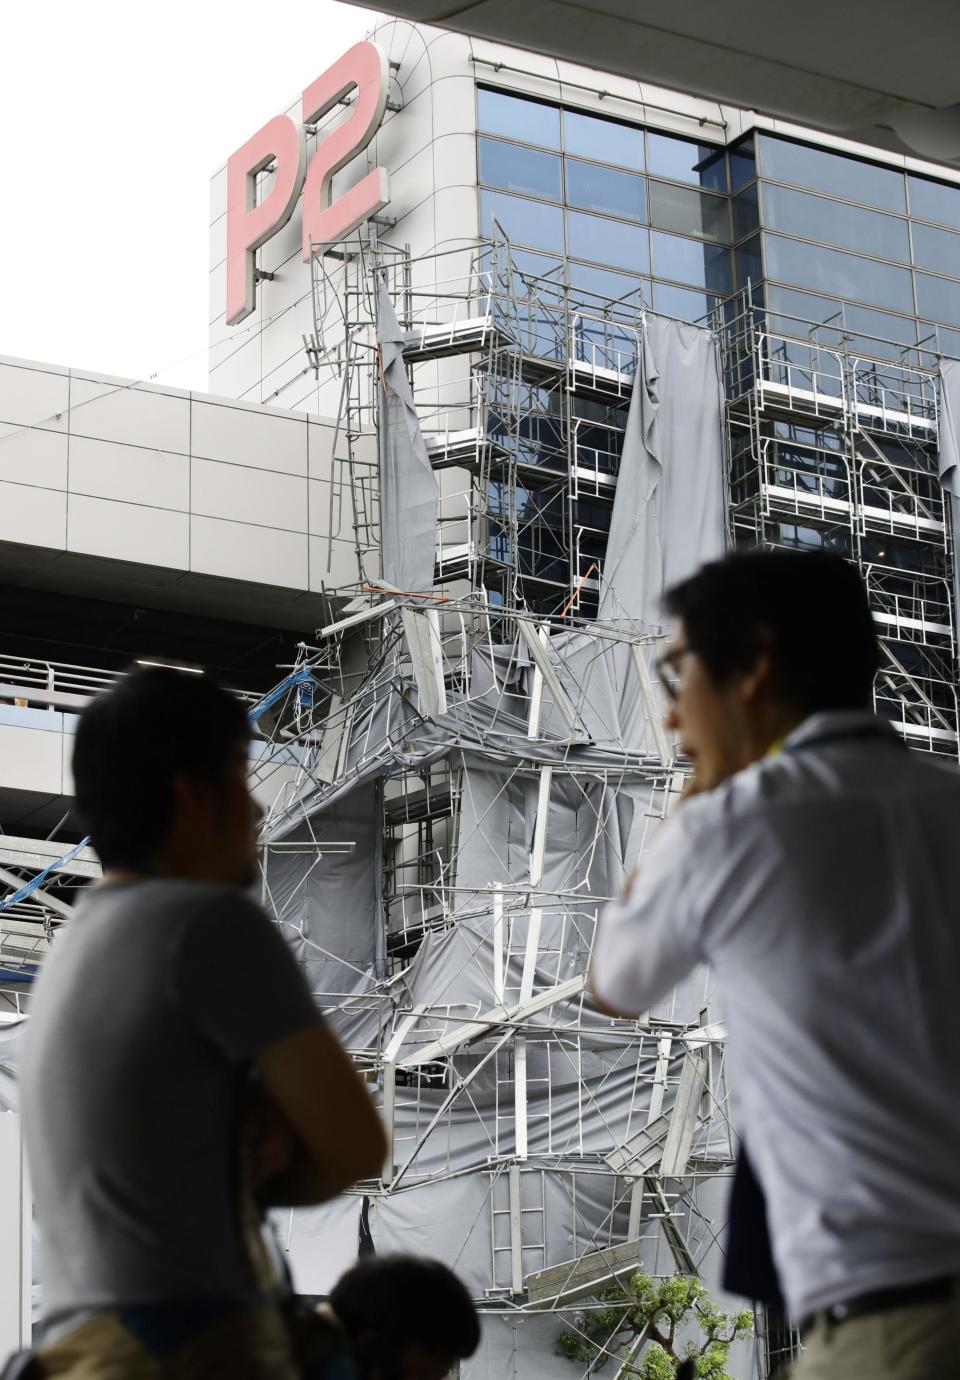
(950, 457)
(668, 513)
(409, 493)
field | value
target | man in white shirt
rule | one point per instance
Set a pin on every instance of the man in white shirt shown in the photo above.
(815, 865)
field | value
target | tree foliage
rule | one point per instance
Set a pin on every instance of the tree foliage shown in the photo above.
(640, 1323)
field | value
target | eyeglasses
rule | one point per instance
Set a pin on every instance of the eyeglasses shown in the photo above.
(668, 674)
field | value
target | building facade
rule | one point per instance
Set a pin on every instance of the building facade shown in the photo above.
(455, 777)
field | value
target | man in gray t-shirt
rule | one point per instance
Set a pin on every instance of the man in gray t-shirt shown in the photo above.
(167, 995)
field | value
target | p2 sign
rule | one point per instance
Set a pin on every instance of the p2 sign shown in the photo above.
(283, 141)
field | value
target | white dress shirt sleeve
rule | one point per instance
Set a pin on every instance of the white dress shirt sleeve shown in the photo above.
(650, 938)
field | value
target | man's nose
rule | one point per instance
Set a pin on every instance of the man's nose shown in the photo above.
(671, 719)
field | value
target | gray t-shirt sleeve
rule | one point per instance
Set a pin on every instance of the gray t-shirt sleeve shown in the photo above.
(237, 981)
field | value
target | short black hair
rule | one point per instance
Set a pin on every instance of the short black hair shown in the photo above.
(402, 1300)
(133, 739)
(808, 608)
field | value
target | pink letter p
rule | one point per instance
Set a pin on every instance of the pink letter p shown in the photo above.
(249, 224)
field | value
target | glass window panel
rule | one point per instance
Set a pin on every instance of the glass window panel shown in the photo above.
(833, 173)
(604, 189)
(743, 162)
(834, 271)
(948, 341)
(749, 263)
(604, 285)
(938, 298)
(901, 329)
(746, 212)
(519, 169)
(702, 164)
(518, 117)
(682, 302)
(689, 212)
(934, 201)
(608, 140)
(936, 249)
(802, 308)
(532, 223)
(690, 261)
(537, 265)
(816, 218)
(612, 242)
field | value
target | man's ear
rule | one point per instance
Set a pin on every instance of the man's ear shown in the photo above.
(759, 681)
(187, 793)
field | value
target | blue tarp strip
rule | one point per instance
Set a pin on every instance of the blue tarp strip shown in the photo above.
(302, 677)
(29, 887)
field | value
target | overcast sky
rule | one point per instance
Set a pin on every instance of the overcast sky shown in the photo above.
(113, 115)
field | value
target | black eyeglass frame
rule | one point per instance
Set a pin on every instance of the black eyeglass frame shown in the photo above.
(664, 664)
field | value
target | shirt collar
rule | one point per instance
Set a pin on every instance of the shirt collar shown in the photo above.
(837, 723)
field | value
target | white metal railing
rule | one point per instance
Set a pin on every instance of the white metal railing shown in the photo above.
(603, 353)
(909, 704)
(894, 398)
(923, 614)
(595, 466)
(800, 376)
(912, 505)
(456, 311)
(62, 685)
(805, 492)
(457, 530)
(51, 684)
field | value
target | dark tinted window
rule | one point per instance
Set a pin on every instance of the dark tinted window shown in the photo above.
(803, 305)
(519, 169)
(749, 263)
(832, 173)
(743, 162)
(816, 218)
(936, 249)
(702, 164)
(682, 302)
(531, 223)
(606, 284)
(934, 201)
(605, 189)
(689, 212)
(516, 117)
(746, 211)
(608, 140)
(938, 298)
(610, 242)
(689, 261)
(834, 271)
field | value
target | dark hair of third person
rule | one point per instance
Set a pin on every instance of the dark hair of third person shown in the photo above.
(132, 740)
(807, 608)
(404, 1300)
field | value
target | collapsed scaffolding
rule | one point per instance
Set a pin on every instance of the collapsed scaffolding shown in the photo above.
(465, 773)
(463, 776)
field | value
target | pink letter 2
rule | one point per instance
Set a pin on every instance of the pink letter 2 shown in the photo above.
(365, 67)
(249, 225)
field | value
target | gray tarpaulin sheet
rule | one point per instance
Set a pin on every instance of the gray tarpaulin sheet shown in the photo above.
(409, 493)
(950, 457)
(10, 1035)
(668, 513)
(319, 1243)
(329, 908)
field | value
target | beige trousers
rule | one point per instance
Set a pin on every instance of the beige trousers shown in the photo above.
(248, 1345)
(919, 1342)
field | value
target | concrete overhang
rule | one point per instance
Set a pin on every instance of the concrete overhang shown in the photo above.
(877, 71)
